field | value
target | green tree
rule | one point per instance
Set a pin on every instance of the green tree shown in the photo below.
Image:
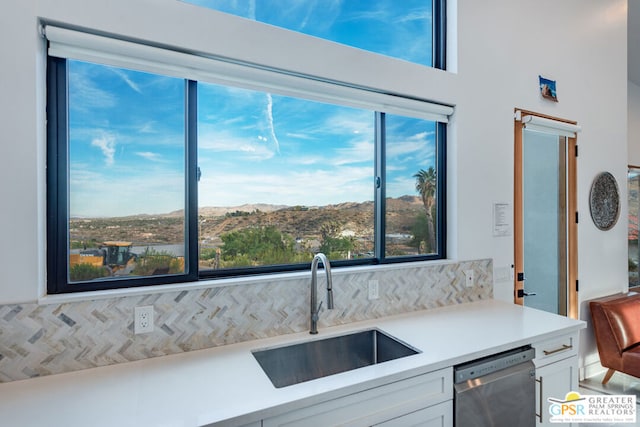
(336, 247)
(333, 245)
(258, 246)
(157, 262)
(82, 272)
(420, 232)
(426, 187)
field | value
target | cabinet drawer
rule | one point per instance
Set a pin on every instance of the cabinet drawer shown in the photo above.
(374, 405)
(555, 349)
(440, 415)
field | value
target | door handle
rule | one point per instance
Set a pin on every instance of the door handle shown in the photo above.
(522, 293)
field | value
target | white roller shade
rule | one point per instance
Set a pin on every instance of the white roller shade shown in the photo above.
(71, 44)
(556, 127)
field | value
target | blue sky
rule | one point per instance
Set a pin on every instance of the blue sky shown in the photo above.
(126, 150)
(397, 28)
(127, 143)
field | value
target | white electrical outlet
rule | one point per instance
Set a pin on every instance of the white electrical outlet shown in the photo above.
(143, 319)
(373, 289)
(468, 278)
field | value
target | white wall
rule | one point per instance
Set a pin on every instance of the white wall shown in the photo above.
(21, 171)
(502, 48)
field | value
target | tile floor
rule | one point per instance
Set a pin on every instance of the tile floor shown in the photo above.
(619, 384)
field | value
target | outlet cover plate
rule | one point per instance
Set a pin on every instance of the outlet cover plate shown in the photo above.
(469, 279)
(143, 319)
(373, 290)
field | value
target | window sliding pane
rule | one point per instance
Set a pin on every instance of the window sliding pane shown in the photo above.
(399, 29)
(126, 173)
(410, 187)
(282, 179)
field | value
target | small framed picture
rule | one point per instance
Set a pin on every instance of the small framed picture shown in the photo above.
(548, 89)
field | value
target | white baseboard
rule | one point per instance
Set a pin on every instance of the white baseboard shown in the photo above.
(591, 370)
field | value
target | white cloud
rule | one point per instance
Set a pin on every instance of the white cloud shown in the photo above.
(226, 141)
(154, 157)
(270, 121)
(288, 187)
(415, 145)
(357, 152)
(148, 127)
(125, 78)
(414, 15)
(85, 95)
(300, 136)
(107, 144)
(252, 10)
(306, 160)
(122, 193)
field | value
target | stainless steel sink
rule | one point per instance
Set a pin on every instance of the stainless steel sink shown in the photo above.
(306, 361)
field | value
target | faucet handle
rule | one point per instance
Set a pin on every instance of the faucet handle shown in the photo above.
(316, 315)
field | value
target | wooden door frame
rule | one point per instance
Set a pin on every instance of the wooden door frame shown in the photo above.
(572, 212)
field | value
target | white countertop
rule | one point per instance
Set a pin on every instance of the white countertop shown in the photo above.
(218, 384)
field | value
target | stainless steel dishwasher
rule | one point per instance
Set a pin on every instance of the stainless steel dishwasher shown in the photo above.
(496, 391)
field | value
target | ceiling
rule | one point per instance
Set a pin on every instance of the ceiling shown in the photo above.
(633, 41)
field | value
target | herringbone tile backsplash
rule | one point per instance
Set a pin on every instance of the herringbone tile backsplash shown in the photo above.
(37, 340)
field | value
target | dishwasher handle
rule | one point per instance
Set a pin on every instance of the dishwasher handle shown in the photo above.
(540, 399)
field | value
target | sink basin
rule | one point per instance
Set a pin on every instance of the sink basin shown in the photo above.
(309, 360)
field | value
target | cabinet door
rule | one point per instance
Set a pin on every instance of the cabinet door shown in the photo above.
(554, 380)
(435, 416)
(373, 406)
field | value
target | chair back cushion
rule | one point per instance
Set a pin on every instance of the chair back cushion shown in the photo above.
(624, 318)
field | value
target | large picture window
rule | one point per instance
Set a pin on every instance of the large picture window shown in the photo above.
(156, 179)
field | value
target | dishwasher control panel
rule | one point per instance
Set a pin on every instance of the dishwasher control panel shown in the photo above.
(487, 365)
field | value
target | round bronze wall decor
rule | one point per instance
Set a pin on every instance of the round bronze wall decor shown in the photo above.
(604, 201)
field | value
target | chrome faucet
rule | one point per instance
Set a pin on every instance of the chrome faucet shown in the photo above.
(315, 308)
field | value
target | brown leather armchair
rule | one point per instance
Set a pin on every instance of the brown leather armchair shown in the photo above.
(616, 322)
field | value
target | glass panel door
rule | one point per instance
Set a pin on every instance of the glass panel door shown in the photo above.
(545, 221)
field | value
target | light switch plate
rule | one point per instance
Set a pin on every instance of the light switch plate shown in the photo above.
(373, 289)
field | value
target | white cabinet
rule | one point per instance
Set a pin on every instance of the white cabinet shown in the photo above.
(440, 415)
(401, 403)
(556, 372)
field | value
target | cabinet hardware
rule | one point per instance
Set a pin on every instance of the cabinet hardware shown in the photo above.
(539, 415)
(563, 348)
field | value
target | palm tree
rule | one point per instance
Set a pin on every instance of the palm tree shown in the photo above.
(426, 186)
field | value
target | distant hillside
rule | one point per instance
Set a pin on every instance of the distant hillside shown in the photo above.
(221, 210)
(304, 222)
